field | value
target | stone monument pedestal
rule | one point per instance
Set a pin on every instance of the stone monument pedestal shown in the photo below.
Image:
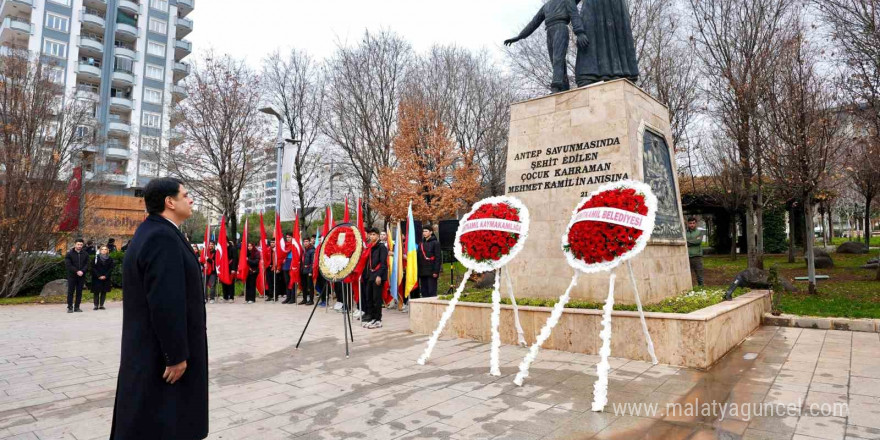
(563, 146)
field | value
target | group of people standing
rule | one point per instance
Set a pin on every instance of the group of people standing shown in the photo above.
(81, 261)
(281, 280)
(278, 280)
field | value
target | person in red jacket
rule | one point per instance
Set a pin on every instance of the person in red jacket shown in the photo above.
(210, 269)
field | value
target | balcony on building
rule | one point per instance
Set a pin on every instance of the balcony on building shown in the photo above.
(182, 49)
(118, 125)
(120, 99)
(88, 91)
(17, 8)
(184, 7)
(130, 7)
(93, 20)
(181, 71)
(184, 27)
(124, 49)
(117, 150)
(15, 31)
(91, 44)
(178, 93)
(89, 68)
(123, 72)
(126, 26)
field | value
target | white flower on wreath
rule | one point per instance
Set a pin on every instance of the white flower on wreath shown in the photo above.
(650, 201)
(336, 263)
(485, 266)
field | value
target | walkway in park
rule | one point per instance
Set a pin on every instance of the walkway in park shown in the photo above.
(57, 381)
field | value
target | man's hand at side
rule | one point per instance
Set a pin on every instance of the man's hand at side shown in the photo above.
(173, 373)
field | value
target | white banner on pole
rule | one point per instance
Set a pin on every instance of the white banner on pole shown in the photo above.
(287, 185)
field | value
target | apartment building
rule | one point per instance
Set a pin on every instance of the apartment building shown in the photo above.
(124, 56)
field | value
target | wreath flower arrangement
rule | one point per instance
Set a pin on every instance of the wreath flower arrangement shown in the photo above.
(340, 252)
(492, 233)
(609, 226)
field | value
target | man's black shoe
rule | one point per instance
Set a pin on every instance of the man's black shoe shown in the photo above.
(303, 302)
(310, 303)
(69, 310)
(77, 310)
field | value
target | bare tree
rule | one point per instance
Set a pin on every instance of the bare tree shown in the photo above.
(801, 113)
(736, 40)
(221, 130)
(41, 139)
(862, 163)
(725, 177)
(295, 86)
(365, 83)
(472, 97)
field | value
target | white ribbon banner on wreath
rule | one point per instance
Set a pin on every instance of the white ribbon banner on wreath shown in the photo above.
(613, 216)
(492, 224)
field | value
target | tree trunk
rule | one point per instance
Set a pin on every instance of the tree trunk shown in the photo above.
(733, 236)
(791, 234)
(233, 226)
(811, 259)
(824, 231)
(759, 225)
(750, 235)
(868, 221)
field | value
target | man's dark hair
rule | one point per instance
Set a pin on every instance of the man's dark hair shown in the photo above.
(372, 231)
(111, 240)
(156, 191)
(79, 240)
(692, 219)
(427, 228)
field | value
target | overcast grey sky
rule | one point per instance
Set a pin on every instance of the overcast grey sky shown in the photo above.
(254, 28)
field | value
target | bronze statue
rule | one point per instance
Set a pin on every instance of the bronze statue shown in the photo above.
(556, 15)
(611, 53)
(606, 49)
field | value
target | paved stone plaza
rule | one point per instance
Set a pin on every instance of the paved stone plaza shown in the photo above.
(57, 376)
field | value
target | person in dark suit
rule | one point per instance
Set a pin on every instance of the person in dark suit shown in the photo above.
(253, 262)
(308, 286)
(101, 270)
(375, 272)
(77, 263)
(162, 387)
(229, 289)
(430, 263)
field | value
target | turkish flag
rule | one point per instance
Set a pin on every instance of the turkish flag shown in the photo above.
(281, 248)
(223, 257)
(265, 254)
(70, 218)
(296, 250)
(243, 268)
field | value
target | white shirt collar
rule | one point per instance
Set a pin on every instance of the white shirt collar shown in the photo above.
(169, 221)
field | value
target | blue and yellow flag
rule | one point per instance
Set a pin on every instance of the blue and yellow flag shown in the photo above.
(412, 263)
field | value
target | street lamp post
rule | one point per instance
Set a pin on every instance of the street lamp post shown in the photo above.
(280, 145)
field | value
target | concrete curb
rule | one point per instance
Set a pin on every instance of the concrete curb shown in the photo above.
(855, 325)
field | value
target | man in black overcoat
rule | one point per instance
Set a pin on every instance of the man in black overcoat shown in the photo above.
(430, 263)
(162, 389)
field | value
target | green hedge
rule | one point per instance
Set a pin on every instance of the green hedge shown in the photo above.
(57, 271)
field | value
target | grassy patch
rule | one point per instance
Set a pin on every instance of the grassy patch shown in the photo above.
(847, 299)
(837, 241)
(684, 303)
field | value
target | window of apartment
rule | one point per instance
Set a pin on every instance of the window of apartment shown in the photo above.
(123, 64)
(153, 96)
(152, 120)
(155, 72)
(83, 133)
(57, 22)
(149, 168)
(150, 143)
(158, 26)
(54, 48)
(157, 49)
(56, 75)
(161, 5)
(61, 2)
